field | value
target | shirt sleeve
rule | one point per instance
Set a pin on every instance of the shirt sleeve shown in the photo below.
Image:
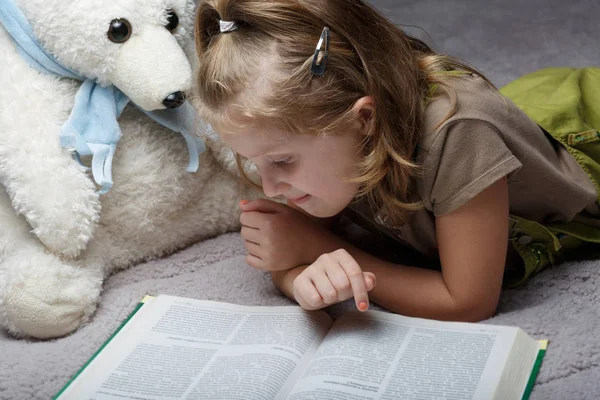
(465, 158)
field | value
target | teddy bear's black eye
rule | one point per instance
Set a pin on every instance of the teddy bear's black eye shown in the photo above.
(119, 31)
(172, 20)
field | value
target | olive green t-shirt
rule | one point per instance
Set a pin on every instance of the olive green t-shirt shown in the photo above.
(486, 139)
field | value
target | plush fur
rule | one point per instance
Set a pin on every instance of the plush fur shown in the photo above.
(58, 238)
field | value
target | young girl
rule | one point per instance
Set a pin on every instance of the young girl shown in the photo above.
(342, 112)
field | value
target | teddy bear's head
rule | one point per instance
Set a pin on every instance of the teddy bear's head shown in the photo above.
(136, 45)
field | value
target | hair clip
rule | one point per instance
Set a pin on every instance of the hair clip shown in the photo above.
(321, 52)
(228, 26)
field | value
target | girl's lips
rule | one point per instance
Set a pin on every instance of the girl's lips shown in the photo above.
(300, 200)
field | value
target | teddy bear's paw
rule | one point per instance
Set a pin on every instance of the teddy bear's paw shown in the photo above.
(50, 305)
(68, 243)
(65, 229)
(59, 201)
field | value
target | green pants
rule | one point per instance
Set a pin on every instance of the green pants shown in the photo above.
(566, 103)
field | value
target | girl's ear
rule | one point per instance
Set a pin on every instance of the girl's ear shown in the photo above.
(364, 114)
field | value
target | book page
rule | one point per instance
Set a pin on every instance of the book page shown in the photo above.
(177, 348)
(382, 356)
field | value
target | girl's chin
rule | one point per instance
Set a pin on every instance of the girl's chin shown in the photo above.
(319, 212)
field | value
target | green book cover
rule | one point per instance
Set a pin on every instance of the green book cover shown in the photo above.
(137, 308)
(536, 369)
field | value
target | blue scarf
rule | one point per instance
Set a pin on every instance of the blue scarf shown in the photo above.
(92, 127)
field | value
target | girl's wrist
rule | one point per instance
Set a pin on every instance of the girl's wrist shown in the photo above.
(322, 243)
(284, 280)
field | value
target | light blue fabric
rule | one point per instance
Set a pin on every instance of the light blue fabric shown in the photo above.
(92, 127)
(182, 120)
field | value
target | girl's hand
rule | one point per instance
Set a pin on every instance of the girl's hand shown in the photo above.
(279, 237)
(334, 277)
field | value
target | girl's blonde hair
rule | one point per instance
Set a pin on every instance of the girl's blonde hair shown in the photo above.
(262, 72)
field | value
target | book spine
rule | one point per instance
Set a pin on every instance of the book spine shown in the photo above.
(536, 369)
(137, 308)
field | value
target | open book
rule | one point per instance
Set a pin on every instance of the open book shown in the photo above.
(179, 348)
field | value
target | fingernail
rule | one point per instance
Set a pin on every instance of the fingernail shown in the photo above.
(363, 306)
(244, 202)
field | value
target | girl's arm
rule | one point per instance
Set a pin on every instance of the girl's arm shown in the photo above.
(472, 245)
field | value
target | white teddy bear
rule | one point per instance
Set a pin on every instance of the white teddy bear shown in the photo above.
(59, 238)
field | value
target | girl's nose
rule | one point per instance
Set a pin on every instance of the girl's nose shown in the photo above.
(272, 185)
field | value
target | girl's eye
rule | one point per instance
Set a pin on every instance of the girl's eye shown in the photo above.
(281, 163)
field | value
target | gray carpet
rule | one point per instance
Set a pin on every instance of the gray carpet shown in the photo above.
(505, 39)
(560, 304)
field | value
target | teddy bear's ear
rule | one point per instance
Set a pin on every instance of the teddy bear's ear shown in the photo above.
(172, 21)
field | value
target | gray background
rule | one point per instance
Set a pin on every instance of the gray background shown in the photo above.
(504, 39)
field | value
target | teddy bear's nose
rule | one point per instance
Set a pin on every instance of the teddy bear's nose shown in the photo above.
(174, 100)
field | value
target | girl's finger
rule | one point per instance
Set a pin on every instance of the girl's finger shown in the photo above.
(252, 219)
(251, 234)
(254, 261)
(370, 280)
(306, 294)
(356, 278)
(338, 278)
(253, 248)
(262, 205)
(325, 288)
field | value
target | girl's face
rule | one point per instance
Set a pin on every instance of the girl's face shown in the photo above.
(313, 172)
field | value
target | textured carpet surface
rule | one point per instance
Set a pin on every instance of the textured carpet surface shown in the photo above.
(503, 38)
